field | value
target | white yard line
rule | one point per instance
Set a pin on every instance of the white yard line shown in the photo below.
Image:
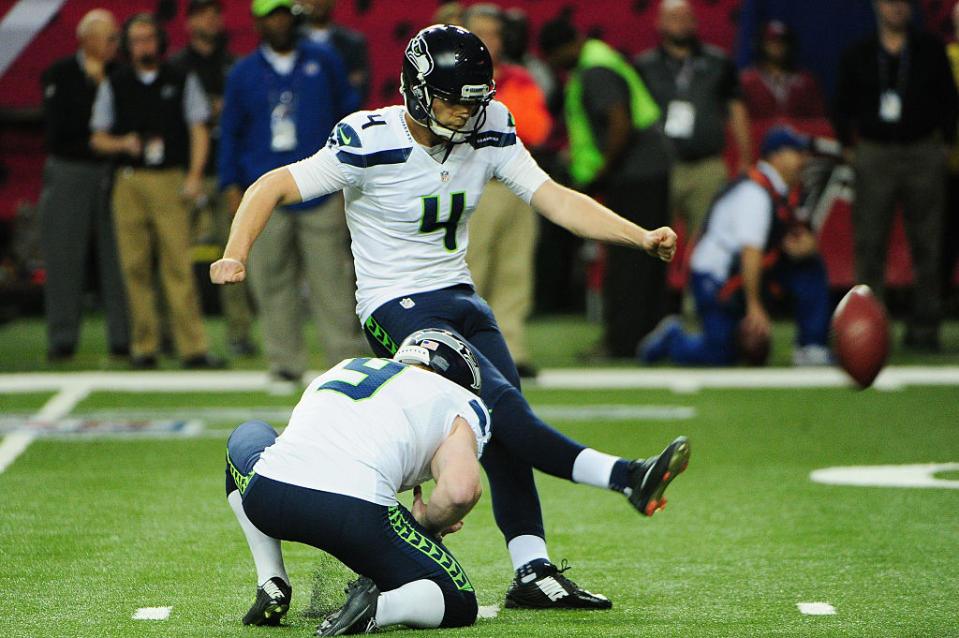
(816, 609)
(62, 403)
(610, 412)
(152, 613)
(13, 446)
(172, 381)
(694, 379)
(72, 387)
(915, 475)
(487, 611)
(675, 379)
(59, 405)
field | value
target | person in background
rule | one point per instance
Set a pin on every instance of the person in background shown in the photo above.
(449, 13)
(74, 205)
(697, 88)
(557, 266)
(350, 44)
(502, 237)
(751, 236)
(776, 88)
(152, 118)
(515, 36)
(207, 56)
(950, 226)
(281, 103)
(618, 150)
(896, 108)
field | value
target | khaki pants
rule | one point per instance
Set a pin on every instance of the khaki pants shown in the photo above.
(150, 220)
(693, 186)
(313, 245)
(502, 243)
(235, 298)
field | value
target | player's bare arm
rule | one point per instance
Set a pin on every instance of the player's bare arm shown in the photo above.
(757, 318)
(584, 216)
(275, 188)
(458, 486)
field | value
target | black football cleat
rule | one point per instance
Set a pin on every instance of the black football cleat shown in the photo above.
(649, 478)
(272, 603)
(358, 613)
(552, 590)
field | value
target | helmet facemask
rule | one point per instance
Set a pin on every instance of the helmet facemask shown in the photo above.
(418, 96)
(451, 64)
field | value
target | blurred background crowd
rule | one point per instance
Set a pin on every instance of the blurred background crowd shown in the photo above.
(128, 133)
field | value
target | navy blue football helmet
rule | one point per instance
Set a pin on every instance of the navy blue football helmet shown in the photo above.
(444, 353)
(450, 63)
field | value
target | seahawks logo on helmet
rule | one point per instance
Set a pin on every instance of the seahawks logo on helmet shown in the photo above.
(418, 53)
(442, 352)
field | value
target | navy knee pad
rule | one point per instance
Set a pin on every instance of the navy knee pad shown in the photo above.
(243, 450)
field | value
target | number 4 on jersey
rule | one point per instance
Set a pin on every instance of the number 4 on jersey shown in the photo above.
(430, 222)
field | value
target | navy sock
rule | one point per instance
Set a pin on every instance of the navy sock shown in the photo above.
(535, 567)
(619, 477)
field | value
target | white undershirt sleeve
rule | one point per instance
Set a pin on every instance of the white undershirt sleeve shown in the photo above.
(318, 175)
(102, 116)
(522, 175)
(754, 211)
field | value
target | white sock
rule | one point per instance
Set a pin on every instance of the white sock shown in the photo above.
(593, 468)
(523, 549)
(267, 555)
(418, 604)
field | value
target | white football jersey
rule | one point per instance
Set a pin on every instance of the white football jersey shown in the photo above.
(368, 428)
(407, 210)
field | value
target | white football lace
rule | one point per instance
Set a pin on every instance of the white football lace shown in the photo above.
(272, 590)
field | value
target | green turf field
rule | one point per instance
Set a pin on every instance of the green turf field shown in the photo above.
(93, 528)
(123, 508)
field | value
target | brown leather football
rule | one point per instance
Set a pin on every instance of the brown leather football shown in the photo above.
(860, 335)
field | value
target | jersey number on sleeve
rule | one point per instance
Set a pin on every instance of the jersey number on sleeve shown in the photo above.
(376, 372)
(431, 223)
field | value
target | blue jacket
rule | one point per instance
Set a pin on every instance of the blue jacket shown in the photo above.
(317, 93)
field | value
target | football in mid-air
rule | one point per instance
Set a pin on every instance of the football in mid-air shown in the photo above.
(860, 335)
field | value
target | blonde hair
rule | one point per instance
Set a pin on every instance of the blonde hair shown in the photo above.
(88, 21)
(669, 5)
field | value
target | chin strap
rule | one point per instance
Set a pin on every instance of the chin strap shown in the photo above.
(449, 149)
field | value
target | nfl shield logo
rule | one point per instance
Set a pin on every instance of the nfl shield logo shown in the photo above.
(445, 176)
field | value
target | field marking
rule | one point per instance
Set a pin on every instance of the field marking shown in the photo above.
(615, 412)
(676, 379)
(152, 613)
(816, 609)
(916, 475)
(57, 407)
(13, 446)
(104, 418)
(487, 611)
(686, 380)
(62, 403)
